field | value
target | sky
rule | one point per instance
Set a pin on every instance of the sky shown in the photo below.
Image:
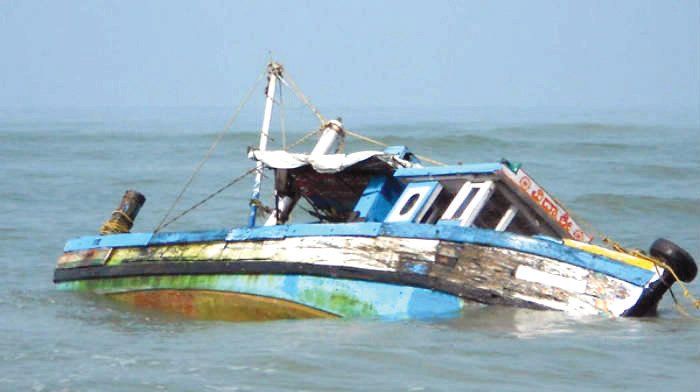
(594, 54)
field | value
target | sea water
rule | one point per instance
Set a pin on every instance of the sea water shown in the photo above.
(631, 174)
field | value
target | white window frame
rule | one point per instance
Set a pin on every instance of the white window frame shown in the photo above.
(484, 191)
(427, 192)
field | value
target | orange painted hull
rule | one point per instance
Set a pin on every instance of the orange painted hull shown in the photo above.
(217, 305)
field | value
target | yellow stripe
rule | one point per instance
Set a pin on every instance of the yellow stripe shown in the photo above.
(623, 257)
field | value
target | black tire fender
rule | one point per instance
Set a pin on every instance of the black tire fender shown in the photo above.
(675, 257)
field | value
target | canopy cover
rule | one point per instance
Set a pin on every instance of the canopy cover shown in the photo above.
(329, 163)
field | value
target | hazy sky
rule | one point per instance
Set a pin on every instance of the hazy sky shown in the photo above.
(605, 54)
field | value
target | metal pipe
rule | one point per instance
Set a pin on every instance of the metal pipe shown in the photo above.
(274, 71)
(328, 142)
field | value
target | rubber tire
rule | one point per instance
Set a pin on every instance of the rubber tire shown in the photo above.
(676, 257)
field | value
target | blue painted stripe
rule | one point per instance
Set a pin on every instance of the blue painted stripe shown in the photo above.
(359, 229)
(258, 233)
(305, 230)
(482, 168)
(188, 236)
(108, 241)
(535, 246)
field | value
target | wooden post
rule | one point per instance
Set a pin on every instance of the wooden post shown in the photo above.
(123, 217)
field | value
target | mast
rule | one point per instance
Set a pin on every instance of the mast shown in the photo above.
(274, 70)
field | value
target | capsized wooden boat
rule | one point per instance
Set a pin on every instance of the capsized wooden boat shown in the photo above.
(394, 239)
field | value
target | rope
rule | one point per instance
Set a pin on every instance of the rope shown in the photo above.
(261, 206)
(209, 152)
(635, 252)
(377, 142)
(123, 215)
(209, 197)
(111, 226)
(303, 139)
(282, 122)
(659, 263)
(289, 82)
(361, 137)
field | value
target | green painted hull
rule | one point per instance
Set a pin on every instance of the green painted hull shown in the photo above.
(274, 296)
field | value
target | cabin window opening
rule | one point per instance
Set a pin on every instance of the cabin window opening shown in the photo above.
(493, 211)
(525, 225)
(469, 202)
(521, 225)
(438, 207)
(409, 203)
(521, 218)
(414, 202)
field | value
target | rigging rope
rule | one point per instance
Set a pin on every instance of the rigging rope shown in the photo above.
(289, 82)
(377, 142)
(117, 225)
(303, 139)
(660, 263)
(282, 122)
(637, 253)
(209, 197)
(209, 152)
(163, 222)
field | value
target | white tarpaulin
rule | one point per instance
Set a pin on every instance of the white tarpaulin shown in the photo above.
(330, 163)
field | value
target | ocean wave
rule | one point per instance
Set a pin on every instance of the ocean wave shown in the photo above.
(617, 202)
(598, 148)
(556, 127)
(437, 141)
(659, 171)
(593, 126)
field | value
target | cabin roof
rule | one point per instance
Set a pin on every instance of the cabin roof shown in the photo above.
(334, 183)
(390, 159)
(435, 171)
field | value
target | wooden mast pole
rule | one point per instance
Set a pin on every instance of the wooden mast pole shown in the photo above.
(274, 70)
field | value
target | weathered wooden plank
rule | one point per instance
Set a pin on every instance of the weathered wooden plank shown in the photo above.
(553, 284)
(83, 258)
(382, 253)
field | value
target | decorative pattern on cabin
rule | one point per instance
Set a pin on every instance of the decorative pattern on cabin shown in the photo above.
(547, 203)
